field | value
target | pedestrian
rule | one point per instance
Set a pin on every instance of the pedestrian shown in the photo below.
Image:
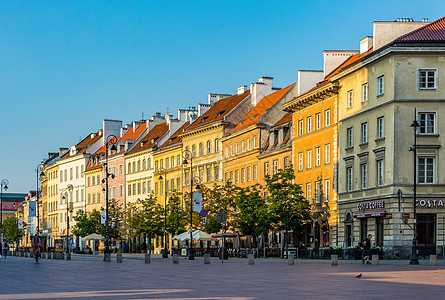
(5, 248)
(367, 250)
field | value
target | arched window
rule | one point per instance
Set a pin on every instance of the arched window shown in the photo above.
(209, 147)
(149, 163)
(194, 151)
(134, 167)
(129, 168)
(144, 164)
(201, 149)
(139, 165)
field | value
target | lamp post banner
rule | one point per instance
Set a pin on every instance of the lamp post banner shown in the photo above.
(20, 224)
(32, 208)
(197, 202)
(103, 217)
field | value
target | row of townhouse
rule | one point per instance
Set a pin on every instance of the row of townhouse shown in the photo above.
(345, 129)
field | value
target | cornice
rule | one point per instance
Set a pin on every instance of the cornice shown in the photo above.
(204, 128)
(312, 97)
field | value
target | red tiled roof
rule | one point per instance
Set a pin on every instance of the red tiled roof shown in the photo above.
(83, 144)
(150, 139)
(10, 205)
(261, 108)
(175, 139)
(219, 110)
(433, 32)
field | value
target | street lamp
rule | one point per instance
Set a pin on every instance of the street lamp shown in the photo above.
(113, 140)
(413, 259)
(186, 154)
(165, 250)
(38, 175)
(69, 209)
(4, 186)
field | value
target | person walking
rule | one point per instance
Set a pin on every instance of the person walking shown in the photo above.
(367, 250)
(5, 248)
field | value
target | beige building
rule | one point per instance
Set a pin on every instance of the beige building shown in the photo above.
(396, 72)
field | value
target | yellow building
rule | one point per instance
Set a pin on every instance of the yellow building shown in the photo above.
(93, 182)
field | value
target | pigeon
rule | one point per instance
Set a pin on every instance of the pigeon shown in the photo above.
(358, 276)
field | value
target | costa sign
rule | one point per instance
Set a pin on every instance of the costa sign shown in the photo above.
(429, 203)
(371, 205)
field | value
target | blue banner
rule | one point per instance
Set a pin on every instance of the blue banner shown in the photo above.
(32, 209)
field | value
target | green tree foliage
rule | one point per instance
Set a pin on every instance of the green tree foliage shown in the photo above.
(289, 210)
(86, 225)
(221, 199)
(175, 215)
(115, 220)
(11, 230)
(253, 217)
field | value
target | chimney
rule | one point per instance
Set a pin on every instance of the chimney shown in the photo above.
(213, 98)
(334, 58)
(62, 150)
(124, 130)
(110, 127)
(385, 32)
(185, 114)
(307, 79)
(203, 108)
(365, 44)
(168, 118)
(241, 90)
(260, 89)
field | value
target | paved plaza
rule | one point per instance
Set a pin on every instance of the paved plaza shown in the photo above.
(87, 277)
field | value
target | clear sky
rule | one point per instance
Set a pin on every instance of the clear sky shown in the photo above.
(66, 65)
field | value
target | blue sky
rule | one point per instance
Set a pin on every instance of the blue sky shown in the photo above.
(66, 65)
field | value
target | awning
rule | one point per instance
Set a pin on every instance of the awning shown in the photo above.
(93, 236)
(371, 214)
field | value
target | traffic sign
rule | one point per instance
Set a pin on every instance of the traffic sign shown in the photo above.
(203, 213)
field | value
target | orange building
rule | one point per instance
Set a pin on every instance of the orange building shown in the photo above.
(249, 137)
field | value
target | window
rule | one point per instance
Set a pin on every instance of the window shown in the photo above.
(309, 192)
(144, 187)
(300, 161)
(120, 191)
(427, 123)
(231, 150)
(187, 178)
(172, 161)
(364, 176)
(317, 156)
(380, 85)
(178, 184)
(134, 167)
(327, 190)
(156, 189)
(94, 180)
(309, 124)
(255, 172)
(120, 169)
(254, 142)
(227, 176)
(248, 174)
(139, 165)
(380, 127)
(318, 192)
(380, 172)
(144, 164)
(243, 146)
(236, 177)
(349, 179)
(71, 173)
(427, 79)
(216, 146)
(426, 169)
(77, 195)
(129, 190)
(89, 198)
(243, 175)
(317, 121)
(349, 137)
(248, 144)
(327, 117)
(300, 128)
(178, 160)
(327, 153)
(364, 133)
(134, 188)
(226, 151)
(350, 98)
(81, 171)
(275, 166)
(161, 164)
(201, 175)
(89, 181)
(365, 92)
(113, 193)
(77, 172)
(266, 168)
(237, 148)
(209, 174)
(98, 197)
(308, 159)
(286, 162)
(194, 151)
(61, 176)
(167, 163)
(149, 186)
(156, 166)
(201, 149)
(216, 171)
(172, 184)
(129, 168)
(209, 147)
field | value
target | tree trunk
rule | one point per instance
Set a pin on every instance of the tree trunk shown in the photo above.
(286, 244)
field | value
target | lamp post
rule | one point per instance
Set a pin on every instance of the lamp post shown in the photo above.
(4, 186)
(186, 154)
(38, 176)
(69, 209)
(165, 250)
(413, 259)
(110, 139)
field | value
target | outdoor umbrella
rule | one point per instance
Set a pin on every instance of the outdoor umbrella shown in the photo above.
(93, 236)
(238, 242)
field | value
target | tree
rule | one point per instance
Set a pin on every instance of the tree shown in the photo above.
(115, 220)
(289, 210)
(149, 219)
(221, 199)
(253, 217)
(11, 230)
(175, 216)
(86, 225)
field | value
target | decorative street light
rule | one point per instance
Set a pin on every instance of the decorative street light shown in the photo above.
(165, 250)
(69, 209)
(113, 140)
(186, 154)
(4, 186)
(413, 259)
(39, 175)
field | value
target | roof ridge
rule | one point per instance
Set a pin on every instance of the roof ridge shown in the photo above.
(419, 29)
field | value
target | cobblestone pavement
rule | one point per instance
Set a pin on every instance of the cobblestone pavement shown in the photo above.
(87, 277)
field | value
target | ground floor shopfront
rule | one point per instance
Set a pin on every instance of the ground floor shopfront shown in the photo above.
(391, 225)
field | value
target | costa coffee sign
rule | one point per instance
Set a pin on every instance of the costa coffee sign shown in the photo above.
(371, 205)
(429, 203)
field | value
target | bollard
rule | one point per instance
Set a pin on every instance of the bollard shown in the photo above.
(43, 255)
(375, 259)
(48, 255)
(107, 257)
(68, 256)
(175, 258)
(433, 260)
(147, 258)
(250, 259)
(119, 258)
(290, 259)
(334, 259)
(206, 259)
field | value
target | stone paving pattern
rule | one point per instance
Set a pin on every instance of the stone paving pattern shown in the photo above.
(88, 277)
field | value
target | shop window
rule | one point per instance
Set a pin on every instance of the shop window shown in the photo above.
(363, 229)
(379, 231)
(348, 230)
(426, 229)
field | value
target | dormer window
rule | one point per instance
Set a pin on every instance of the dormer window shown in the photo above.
(220, 113)
(204, 118)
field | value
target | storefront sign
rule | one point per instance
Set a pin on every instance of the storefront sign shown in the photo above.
(405, 216)
(371, 205)
(370, 214)
(388, 216)
(429, 203)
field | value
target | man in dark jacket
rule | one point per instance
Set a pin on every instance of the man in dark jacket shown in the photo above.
(367, 252)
